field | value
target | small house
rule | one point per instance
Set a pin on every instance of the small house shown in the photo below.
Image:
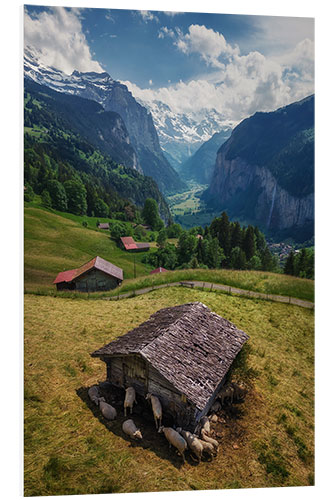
(130, 245)
(93, 276)
(158, 270)
(181, 354)
(103, 225)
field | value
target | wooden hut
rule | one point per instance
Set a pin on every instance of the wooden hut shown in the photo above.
(181, 354)
(96, 275)
(132, 246)
(103, 225)
(158, 270)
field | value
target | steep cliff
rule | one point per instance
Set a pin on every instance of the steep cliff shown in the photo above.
(264, 174)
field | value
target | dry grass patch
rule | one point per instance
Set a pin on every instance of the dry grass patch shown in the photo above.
(70, 449)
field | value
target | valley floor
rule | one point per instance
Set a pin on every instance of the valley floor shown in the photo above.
(71, 449)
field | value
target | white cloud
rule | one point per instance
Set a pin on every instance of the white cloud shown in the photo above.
(243, 85)
(147, 15)
(57, 34)
(209, 44)
(150, 82)
(172, 13)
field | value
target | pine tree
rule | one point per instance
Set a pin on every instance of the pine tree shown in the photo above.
(249, 243)
(289, 267)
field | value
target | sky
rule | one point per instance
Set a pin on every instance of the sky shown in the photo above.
(236, 64)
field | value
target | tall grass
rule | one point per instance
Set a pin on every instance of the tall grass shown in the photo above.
(71, 449)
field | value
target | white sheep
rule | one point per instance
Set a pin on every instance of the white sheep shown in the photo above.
(227, 392)
(129, 399)
(108, 411)
(157, 409)
(175, 439)
(205, 425)
(209, 440)
(94, 394)
(130, 428)
(239, 391)
(193, 442)
(207, 448)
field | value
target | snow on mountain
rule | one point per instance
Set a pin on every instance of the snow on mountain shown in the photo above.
(182, 134)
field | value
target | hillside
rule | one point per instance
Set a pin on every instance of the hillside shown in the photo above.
(267, 441)
(54, 243)
(200, 166)
(68, 136)
(264, 173)
(113, 97)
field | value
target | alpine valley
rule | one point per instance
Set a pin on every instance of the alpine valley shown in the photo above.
(261, 171)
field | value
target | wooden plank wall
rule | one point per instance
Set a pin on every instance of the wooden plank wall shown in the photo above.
(95, 280)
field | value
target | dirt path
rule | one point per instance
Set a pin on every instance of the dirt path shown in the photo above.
(216, 286)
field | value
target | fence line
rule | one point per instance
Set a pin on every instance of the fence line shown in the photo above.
(216, 286)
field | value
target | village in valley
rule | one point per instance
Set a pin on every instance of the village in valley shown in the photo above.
(168, 278)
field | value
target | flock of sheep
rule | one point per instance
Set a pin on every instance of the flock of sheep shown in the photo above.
(179, 438)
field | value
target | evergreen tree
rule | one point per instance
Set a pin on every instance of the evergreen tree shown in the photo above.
(249, 243)
(100, 208)
(220, 228)
(46, 199)
(58, 195)
(28, 193)
(267, 261)
(289, 267)
(236, 235)
(186, 247)
(238, 258)
(150, 214)
(162, 238)
(76, 196)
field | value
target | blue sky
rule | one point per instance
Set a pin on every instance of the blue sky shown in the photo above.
(237, 64)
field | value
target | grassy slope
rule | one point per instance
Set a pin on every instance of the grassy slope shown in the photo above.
(55, 241)
(68, 449)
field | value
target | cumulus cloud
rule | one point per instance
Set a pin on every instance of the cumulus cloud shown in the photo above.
(147, 15)
(242, 85)
(57, 34)
(209, 44)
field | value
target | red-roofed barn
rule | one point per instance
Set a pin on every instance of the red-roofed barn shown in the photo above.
(158, 270)
(93, 276)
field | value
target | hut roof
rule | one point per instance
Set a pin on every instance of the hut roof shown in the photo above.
(192, 347)
(158, 270)
(97, 263)
(103, 225)
(130, 244)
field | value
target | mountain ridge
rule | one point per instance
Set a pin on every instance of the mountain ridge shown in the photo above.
(113, 96)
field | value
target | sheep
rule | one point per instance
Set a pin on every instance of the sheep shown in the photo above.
(157, 409)
(94, 394)
(209, 440)
(175, 439)
(239, 391)
(107, 410)
(205, 425)
(192, 441)
(129, 399)
(207, 448)
(227, 392)
(216, 407)
(130, 428)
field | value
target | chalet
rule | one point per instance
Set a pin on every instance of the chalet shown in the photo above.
(130, 245)
(103, 225)
(93, 276)
(158, 270)
(181, 354)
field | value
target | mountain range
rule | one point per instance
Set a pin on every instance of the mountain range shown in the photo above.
(264, 173)
(115, 97)
(182, 134)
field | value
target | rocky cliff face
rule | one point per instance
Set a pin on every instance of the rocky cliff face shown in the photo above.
(253, 193)
(264, 173)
